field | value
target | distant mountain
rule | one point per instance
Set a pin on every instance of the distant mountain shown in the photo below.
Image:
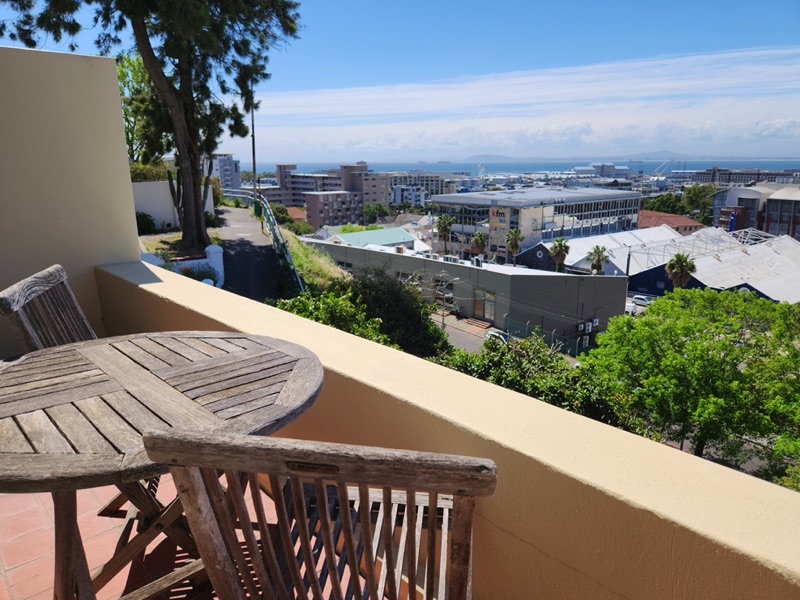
(661, 155)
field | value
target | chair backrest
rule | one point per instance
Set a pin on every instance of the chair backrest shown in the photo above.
(342, 522)
(45, 310)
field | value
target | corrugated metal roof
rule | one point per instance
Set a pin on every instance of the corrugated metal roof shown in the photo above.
(772, 268)
(617, 245)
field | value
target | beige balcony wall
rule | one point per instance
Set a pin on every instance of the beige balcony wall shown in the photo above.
(582, 510)
(66, 193)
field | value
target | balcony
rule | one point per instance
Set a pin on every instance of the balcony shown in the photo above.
(582, 510)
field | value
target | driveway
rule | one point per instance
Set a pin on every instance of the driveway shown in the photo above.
(251, 265)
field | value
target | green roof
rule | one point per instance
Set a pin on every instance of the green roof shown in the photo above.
(392, 236)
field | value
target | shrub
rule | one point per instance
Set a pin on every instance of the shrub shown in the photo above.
(145, 224)
(211, 220)
(200, 273)
(140, 172)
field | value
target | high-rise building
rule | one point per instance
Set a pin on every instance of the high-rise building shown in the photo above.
(225, 168)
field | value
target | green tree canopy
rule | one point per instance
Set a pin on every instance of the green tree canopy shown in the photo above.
(197, 54)
(403, 312)
(144, 115)
(598, 256)
(443, 225)
(479, 241)
(695, 201)
(373, 211)
(559, 251)
(680, 268)
(514, 239)
(718, 370)
(533, 368)
(337, 309)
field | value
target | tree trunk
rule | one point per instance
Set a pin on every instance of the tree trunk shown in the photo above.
(700, 446)
(194, 229)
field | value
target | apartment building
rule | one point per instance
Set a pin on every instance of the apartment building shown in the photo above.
(292, 186)
(543, 213)
(225, 168)
(433, 183)
(415, 195)
(334, 208)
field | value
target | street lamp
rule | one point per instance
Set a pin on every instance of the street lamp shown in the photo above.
(444, 294)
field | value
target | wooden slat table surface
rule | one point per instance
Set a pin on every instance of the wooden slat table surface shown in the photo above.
(72, 416)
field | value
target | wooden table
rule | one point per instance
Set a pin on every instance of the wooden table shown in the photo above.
(71, 417)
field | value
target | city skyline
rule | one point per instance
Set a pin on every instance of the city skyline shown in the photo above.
(440, 81)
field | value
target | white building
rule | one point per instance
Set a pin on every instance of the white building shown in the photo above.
(225, 168)
(410, 194)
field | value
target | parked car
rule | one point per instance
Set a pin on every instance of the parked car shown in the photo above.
(641, 301)
(496, 334)
(443, 294)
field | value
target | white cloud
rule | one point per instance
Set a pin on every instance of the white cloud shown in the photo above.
(729, 103)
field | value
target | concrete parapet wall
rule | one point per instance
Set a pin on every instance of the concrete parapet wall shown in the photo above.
(582, 510)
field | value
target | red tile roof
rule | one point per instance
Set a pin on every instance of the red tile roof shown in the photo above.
(681, 224)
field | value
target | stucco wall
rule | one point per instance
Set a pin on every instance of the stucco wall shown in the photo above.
(582, 510)
(63, 165)
(153, 198)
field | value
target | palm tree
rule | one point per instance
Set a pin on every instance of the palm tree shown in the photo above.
(680, 268)
(479, 241)
(559, 251)
(443, 225)
(513, 240)
(598, 256)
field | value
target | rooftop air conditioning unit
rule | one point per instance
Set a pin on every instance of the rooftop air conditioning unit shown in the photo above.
(580, 326)
(450, 259)
(586, 340)
(477, 261)
(399, 249)
(589, 327)
(434, 257)
(596, 322)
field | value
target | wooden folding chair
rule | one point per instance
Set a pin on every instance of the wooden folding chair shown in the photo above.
(347, 521)
(45, 313)
(45, 310)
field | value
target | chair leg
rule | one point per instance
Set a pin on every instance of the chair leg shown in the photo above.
(136, 546)
(113, 507)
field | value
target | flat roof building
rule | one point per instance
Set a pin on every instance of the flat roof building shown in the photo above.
(540, 213)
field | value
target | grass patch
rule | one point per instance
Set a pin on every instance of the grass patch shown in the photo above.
(172, 245)
(316, 268)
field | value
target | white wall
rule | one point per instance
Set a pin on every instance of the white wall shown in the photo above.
(154, 198)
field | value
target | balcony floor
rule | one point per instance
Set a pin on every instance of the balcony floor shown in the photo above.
(27, 537)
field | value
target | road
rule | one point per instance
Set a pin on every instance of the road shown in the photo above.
(460, 333)
(249, 258)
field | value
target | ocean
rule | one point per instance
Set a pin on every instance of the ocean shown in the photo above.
(646, 167)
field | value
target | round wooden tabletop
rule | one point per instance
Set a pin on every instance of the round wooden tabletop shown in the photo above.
(72, 416)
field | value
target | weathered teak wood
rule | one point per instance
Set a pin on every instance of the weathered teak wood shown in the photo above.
(349, 519)
(73, 416)
(45, 310)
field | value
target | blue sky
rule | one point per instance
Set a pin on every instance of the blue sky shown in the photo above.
(446, 80)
